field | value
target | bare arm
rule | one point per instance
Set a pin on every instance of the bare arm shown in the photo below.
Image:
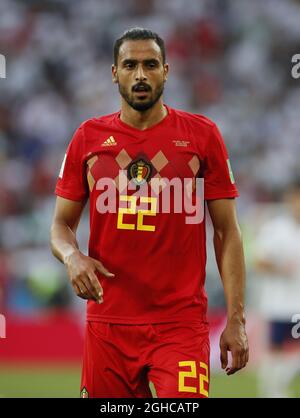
(66, 218)
(231, 265)
(80, 268)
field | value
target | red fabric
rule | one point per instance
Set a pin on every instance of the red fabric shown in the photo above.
(159, 273)
(52, 337)
(120, 360)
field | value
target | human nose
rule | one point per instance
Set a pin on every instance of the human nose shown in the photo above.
(140, 74)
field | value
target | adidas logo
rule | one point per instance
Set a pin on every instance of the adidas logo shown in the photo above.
(109, 142)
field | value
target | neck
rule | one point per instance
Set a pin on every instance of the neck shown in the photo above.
(145, 119)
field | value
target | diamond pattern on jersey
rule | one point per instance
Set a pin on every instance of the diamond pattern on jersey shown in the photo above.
(90, 178)
(159, 161)
(105, 165)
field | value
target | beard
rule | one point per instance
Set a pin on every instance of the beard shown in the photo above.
(145, 104)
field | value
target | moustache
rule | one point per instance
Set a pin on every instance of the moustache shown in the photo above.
(141, 87)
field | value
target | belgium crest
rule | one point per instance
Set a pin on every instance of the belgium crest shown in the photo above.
(139, 171)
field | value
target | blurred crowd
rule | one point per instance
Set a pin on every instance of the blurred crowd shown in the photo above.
(230, 60)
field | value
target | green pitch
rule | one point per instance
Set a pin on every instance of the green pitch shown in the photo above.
(62, 381)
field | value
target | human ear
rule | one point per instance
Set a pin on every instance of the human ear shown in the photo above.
(114, 73)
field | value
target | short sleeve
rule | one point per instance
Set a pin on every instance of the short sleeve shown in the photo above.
(71, 183)
(219, 182)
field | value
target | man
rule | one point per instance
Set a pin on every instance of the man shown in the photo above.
(144, 276)
(278, 267)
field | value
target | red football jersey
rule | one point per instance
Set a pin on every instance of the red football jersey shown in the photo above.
(158, 258)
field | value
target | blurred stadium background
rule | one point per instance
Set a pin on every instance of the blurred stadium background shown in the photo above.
(230, 60)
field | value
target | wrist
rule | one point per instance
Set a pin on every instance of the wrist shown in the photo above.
(236, 318)
(69, 256)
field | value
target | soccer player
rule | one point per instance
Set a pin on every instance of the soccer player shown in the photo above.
(278, 267)
(145, 272)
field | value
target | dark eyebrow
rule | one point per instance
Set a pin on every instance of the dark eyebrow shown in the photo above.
(134, 61)
(151, 61)
(129, 61)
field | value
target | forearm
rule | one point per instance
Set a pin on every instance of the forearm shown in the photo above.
(230, 259)
(63, 241)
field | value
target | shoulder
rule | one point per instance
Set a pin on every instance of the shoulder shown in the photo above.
(194, 119)
(98, 121)
(89, 130)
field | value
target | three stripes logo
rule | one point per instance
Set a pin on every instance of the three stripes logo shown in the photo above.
(109, 142)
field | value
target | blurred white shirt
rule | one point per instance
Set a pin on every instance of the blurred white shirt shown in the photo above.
(279, 243)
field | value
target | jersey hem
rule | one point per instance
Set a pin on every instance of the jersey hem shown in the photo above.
(146, 320)
(68, 195)
(221, 195)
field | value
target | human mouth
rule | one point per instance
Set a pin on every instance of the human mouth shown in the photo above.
(141, 94)
(143, 88)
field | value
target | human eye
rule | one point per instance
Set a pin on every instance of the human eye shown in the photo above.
(129, 65)
(151, 64)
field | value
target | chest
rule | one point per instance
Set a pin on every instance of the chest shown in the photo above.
(143, 157)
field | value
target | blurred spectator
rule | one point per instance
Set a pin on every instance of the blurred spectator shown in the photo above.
(230, 60)
(278, 263)
(4, 276)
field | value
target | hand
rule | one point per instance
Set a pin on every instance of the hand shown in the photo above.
(81, 271)
(234, 339)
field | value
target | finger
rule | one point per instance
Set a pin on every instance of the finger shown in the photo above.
(84, 291)
(97, 288)
(102, 269)
(231, 370)
(89, 285)
(236, 359)
(95, 282)
(79, 292)
(89, 289)
(223, 356)
(246, 357)
(243, 359)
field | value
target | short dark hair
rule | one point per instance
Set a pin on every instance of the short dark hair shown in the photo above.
(139, 34)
